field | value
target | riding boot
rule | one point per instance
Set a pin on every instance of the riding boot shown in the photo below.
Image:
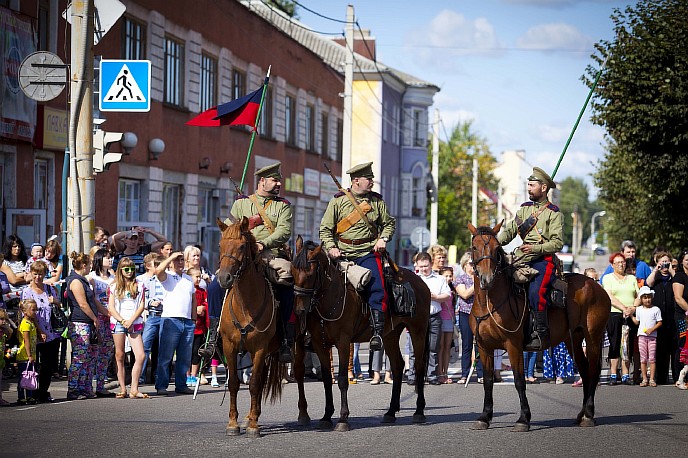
(287, 344)
(539, 339)
(378, 323)
(208, 350)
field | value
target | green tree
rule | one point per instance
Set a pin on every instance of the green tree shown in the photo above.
(286, 6)
(454, 188)
(642, 102)
(574, 197)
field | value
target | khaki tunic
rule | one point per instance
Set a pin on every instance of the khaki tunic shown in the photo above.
(545, 237)
(279, 212)
(339, 208)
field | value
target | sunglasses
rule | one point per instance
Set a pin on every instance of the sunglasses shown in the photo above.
(128, 269)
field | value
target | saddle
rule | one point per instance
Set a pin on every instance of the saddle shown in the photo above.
(403, 296)
(522, 274)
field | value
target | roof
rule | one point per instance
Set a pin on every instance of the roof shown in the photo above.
(332, 53)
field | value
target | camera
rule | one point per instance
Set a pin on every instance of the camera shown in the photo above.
(665, 265)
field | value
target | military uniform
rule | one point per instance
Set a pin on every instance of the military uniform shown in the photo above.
(540, 227)
(342, 227)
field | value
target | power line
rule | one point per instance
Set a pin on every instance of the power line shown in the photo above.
(319, 14)
(291, 21)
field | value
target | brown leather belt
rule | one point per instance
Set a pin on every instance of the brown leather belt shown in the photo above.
(357, 242)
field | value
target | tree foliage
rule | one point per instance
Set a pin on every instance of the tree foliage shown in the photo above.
(455, 182)
(574, 197)
(642, 102)
(286, 6)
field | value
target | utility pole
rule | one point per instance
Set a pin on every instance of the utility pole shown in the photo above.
(348, 89)
(81, 222)
(474, 201)
(435, 176)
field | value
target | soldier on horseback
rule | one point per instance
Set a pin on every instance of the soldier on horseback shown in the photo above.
(539, 223)
(270, 223)
(358, 226)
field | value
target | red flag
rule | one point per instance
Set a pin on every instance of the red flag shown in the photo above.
(241, 111)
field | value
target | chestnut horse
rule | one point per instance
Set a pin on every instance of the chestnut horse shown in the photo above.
(500, 313)
(335, 314)
(248, 323)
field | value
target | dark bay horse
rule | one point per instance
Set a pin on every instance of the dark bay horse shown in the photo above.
(335, 314)
(499, 315)
(248, 323)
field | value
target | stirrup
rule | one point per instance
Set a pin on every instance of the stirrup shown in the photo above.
(376, 343)
(537, 343)
(285, 355)
(206, 351)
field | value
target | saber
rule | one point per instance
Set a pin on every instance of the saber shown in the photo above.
(475, 356)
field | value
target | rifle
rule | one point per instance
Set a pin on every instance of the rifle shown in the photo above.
(353, 201)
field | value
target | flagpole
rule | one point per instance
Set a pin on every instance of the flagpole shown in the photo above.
(255, 128)
(580, 115)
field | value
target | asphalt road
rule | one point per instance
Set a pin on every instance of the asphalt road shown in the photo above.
(632, 421)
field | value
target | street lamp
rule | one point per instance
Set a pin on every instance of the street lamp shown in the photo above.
(593, 236)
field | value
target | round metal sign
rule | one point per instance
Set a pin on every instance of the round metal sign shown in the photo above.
(42, 76)
(420, 237)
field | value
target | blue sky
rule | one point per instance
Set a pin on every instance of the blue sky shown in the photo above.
(513, 66)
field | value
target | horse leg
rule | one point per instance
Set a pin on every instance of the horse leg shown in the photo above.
(255, 387)
(589, 367)
(484, 420)
(396, 361)
(233, 428)
(516, 359)
(343, 381)
(420, 338)
(299, 369)
(326, 373)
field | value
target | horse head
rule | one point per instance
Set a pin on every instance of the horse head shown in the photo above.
(486, 253)
(237, 251)
(307, 274)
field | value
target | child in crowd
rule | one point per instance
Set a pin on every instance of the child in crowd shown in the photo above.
(154, 297)
(125, 305)
(36, 254)
(649, 319)
(683, 358)
(5, 334)
(202, 325)
(448, 318)
(590, 272)
(28, 338)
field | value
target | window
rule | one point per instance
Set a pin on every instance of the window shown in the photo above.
(419, 133)
(265, 126)
(325, 136)
(174, 71)
(290, 120)
(308, 221)
(340, 139)
(40, 183)
(208, 233)
(43, 25)
(208, 82)
(171, 213)
(310, 127)
(238, 84)
(134, 40)
(128, 201)
(396, 125)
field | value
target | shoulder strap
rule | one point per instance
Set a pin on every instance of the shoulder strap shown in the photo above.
(261, 211)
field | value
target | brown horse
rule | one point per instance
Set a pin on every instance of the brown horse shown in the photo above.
(500, 312)
(335, 314)
(248, 323)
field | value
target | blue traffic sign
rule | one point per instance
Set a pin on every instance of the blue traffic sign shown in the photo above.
(125, 85)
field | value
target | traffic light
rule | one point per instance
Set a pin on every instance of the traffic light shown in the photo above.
(101, 143)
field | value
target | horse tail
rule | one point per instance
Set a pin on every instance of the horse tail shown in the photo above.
(276, 372)
(420, 378)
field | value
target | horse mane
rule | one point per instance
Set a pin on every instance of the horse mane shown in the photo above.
(301, 259)
(234, 232)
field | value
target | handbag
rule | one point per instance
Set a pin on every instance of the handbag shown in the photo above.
(92, 334)
(58, 318)
(29, 378)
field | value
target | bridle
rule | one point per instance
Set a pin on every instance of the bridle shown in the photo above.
(243, 263)
(497, 256)
(315, 292)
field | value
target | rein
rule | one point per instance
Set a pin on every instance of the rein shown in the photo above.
(316, 292)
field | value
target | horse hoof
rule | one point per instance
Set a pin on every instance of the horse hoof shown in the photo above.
(587, 422)
(233, 431)
(521, 428)
(304, 420)
(389, 419)
(324, 424)
(253, 433)
(480, 425)
(342, 427)
(418, 418)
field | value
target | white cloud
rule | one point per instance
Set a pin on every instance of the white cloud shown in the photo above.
(556, 37)
(552, 134)
(553, 3)
(450, 34)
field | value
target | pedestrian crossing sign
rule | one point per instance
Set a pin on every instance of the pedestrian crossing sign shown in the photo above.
(125, 85)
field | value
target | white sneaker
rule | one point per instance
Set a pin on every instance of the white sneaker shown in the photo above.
(213, 382)
(682, 386)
